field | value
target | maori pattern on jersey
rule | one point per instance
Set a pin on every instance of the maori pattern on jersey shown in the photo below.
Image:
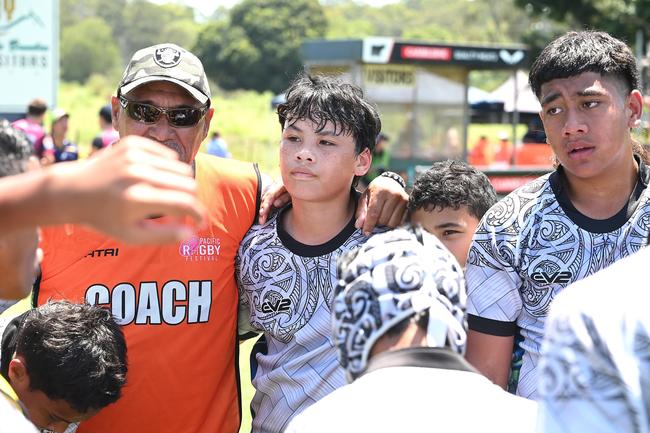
(282, 289)
(595, 364)
(567, 378)
(529, 234)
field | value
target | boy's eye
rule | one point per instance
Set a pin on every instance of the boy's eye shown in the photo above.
(591, 104)
(326, 143)
(450, 232)
(553, 111)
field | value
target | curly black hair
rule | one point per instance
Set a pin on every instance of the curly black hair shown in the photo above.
(452, 184)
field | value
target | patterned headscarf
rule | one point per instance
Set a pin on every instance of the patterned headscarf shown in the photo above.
(393, 276)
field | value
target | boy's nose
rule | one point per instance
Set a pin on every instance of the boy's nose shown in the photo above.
(304, 155)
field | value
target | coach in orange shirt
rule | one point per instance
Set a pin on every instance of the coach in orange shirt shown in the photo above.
(177, 303)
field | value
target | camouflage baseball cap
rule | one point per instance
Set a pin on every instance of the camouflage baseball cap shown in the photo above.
(166, 62)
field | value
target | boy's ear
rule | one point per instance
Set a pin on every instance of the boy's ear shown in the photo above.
(364, 159)
(635, 106)
(18, 377)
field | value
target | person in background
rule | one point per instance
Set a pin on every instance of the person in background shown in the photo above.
(108, 135)
(534, 150)
(481, 154)
(400, 329)
(217, 146)
(32, 125)
(503, 152)
(56, 146)
(449, 200)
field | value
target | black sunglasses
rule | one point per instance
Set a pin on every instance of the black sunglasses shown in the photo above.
(177, 117)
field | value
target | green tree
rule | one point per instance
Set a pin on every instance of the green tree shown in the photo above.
(112, 12)
(73, 11)
(87, 47)
(621, 18)
(462, 21)
(227, 54)
(258, 48)
(147, 24)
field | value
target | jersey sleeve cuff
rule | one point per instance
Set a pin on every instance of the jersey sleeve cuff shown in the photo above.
(491, 326)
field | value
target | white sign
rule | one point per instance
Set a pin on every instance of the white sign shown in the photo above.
(377, 49)
(29, 53)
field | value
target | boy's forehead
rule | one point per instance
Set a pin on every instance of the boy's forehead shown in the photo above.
(582, 83)
(316, 125)
(439, 211)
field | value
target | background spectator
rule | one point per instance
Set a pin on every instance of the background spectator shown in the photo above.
(56, 146)
(217, 146)
(108, 135)
(32, 125)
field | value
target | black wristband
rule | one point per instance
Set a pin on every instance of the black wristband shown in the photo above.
(396, 177)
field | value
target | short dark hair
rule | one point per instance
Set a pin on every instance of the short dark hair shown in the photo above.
(14, 150)
(106, 113)
(452, 184)
(323, 99)
(75, 353)
(37, 107)
(588, 51)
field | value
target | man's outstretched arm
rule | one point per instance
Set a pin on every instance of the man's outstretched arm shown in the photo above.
(116, 192)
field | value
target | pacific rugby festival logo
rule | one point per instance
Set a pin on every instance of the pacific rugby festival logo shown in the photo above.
(199, 249)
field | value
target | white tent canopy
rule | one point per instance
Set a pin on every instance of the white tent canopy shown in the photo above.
(476, 95)
(526, 101)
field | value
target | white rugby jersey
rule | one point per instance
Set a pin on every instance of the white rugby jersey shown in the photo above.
(286, 291)
(529, 247)
(595, 365)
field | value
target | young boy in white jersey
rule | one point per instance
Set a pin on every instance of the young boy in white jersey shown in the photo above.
(590, 212)
(287, 266)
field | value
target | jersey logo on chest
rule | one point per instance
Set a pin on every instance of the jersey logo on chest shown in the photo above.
(274, 304)
(557, 277)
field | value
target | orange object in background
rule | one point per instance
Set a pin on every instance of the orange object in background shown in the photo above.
(504, 152)
(480, 153)
(534, 154)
